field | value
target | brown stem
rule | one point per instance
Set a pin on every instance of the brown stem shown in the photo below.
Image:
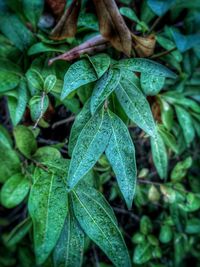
(154, 25)
(67, 120)
(95, 44)
(164, 53)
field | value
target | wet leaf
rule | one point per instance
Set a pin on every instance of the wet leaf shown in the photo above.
(49, 83)
(100, 63)
(38, 106)
(25, 140)
(91, 143)
(159, 154)
(97, 220)
(103, 88)
(48, 208)
(14, 190)
(78, 74)
(185, 121)
(66, 26)
(69, 249)
(135, 105)
(81, 119)
(121, 155)
(151, 84)
(112, 25)
(145, 65)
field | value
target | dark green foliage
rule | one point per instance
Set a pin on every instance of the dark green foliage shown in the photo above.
(99, 133)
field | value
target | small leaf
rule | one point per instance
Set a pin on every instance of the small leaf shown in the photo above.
(35, 79)
(17, 106)
(25, 140)
(97, 220)
(151, 84)
(91, 143)
(45, 48)
(104, 87)
(18, 233)
(145, 65)
(66, 26)
(14, 190)
(112, 25)
(48, 208)
(49, 83)
(160, 7)
(46, 153)
(121, 155)
(135, 105)
(81, 119)
(159, 154)
(100, 63)
(185, 122)
(78, 74)
(70, 246)
(38, 106)
(142, 253)
(129, 13)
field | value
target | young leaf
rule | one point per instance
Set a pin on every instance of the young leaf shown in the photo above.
(97, 220)
(121, 155)
(49, 83)
(151, 84)
(17, 106)
(38, 106)
(135, 105)
(104, 87)
(145, 65)
(79, 73)
(25, 140)
(48, 208)
(69, 249)
(14, 190)
(81, 119)
(185, 121)
(112, 25)
(91, 143)
(159, 154)
(100, 63)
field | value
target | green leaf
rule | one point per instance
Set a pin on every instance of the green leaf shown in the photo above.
(48, 206)
(135, 105)
(160, 7)
(167, 114)
(78, 74)
(81, 119)
(49, 83)
(46, 153)
(100, 63)
(151, 84)
(145, 65)
(121, 155)
(8, 157)
(14, 190)
(5, 137)
(180, 169)
(97, 220)
(193, 226)
(45, 48)
(25, 140)
(142, 253)
(104, 87)
(69, 249)
(33, 10)
(159, 154)
(38, 106)
(185, 42)
(17, 106)
(129, 13)
(91, 143)
(166, 234)
(168, 138)
(8, 80)
(18, 233)
(15, 31)
(185, 122)
(35, 79)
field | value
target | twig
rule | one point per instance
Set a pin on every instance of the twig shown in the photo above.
(41, 112)
(58, 123)
(95, 44)
(137, 218)
(164, 53)
(154, 25)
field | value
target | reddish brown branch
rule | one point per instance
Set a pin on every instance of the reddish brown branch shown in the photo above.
(95, 44)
